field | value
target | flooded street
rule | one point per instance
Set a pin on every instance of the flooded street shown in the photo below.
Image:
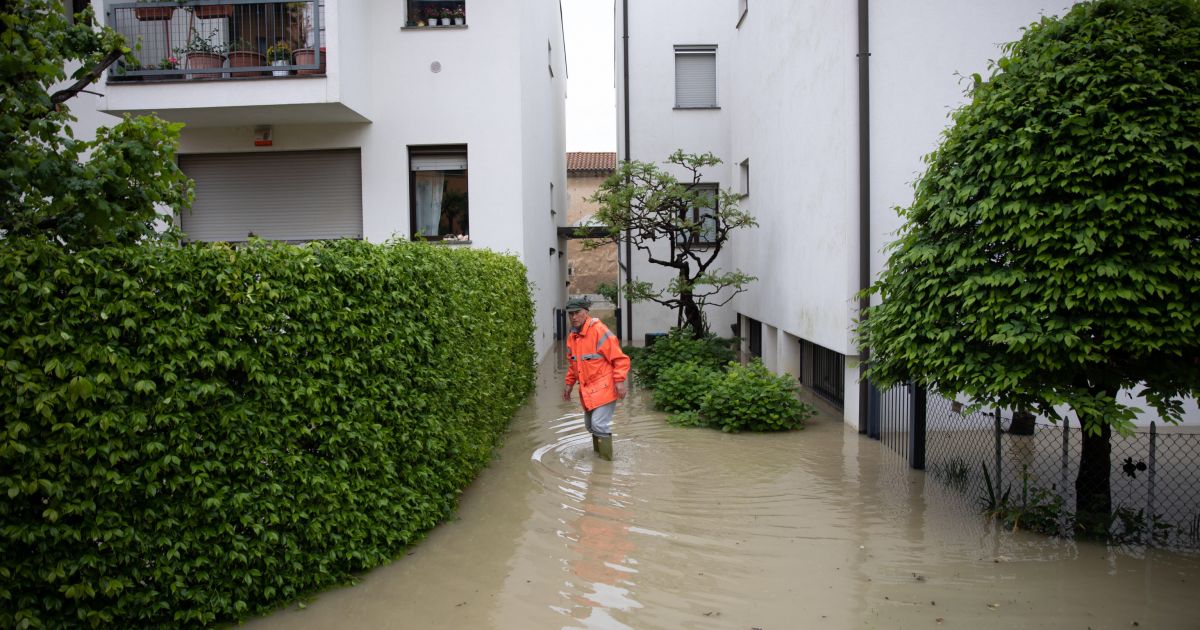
(693, 528)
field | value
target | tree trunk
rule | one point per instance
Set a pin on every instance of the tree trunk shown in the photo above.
(1093, 500)
(693, 319)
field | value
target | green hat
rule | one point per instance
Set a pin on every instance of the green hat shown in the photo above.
(578, 304)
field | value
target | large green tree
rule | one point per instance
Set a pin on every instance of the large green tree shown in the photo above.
(676, 223)
(114, 189)
(1051, 255)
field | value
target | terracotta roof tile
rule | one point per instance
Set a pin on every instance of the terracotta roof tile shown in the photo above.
(584, 163)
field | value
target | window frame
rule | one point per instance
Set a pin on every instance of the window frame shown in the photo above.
(697, 50)
(418, 151)
(411, 6)
(700, 239)
(744, 177)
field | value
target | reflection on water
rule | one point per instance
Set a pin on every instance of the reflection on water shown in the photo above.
(700, 529)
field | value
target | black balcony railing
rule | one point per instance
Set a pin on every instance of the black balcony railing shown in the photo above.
(214, 39)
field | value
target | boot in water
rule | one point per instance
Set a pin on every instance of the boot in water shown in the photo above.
(595, 443)
(605, 447)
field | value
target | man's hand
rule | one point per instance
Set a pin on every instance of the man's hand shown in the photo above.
(622, 388)
(567, 392)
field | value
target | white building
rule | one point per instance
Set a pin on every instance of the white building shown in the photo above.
(399, 127)
(773, 88)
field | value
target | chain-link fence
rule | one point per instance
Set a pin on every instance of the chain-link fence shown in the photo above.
(1025, 475)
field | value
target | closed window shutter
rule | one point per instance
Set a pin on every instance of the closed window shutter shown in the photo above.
(696, 78)
(284, 196)
(444, 162)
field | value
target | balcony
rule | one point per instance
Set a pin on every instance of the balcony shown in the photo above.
(228, 62)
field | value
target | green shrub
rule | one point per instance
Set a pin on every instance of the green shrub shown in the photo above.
(687, 419)
(682, 387)
(195, 435)
(679, 347)
(751, 398)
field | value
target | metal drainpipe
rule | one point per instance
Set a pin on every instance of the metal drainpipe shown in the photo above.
(864, 196)
(628, 232)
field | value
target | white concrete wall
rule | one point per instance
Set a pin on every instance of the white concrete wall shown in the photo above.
(658, 129)
(793, 115)
(544, 158)
(917, 80)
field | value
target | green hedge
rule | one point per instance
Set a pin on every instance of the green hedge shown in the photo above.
(198, 434)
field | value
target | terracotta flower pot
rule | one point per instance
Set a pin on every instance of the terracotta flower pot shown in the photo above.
(308, 56)
(246, 58)
(153, 14)
(199, 60)
(210, 11)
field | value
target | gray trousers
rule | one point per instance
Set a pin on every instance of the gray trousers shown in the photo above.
(599, 420)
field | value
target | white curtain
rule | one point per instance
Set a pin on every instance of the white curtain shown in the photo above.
(429, 201)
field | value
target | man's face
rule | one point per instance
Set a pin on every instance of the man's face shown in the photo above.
(578, 318)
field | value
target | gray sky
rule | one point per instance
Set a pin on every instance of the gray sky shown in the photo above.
(591, 97)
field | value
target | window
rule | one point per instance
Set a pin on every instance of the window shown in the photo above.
(695, 77)
(436, 13)
(703, 216)
(437, 184)
(744, 180)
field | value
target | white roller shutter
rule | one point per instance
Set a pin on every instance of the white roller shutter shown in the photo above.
(285, 196)
(695, 77)
(439, 162)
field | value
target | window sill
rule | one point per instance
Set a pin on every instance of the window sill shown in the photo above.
(693, 108)
(447, 242)
(452, 27)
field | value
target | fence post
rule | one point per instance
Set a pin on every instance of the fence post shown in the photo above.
(999, 478)
(872, 411)
(916, 431)
(1066, 461)
(1150, 485)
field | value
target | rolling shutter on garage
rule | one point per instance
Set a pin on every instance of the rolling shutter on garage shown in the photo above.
(285, 196)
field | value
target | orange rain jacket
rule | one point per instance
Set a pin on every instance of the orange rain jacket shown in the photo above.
(596, 362)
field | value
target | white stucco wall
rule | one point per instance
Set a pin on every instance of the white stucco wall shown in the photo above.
(793, 115)
(658, 129)
(544, 158)
(917, 80)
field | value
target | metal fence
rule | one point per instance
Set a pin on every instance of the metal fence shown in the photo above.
(1154, 473)
(206, 39)
(823, 370)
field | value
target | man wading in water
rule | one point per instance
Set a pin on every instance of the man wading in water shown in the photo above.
(596, 362)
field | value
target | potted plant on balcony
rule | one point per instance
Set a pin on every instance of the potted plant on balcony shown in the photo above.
(280, 55)
(170, 62)
(210, 11)
(153, 13)
(433, 15)
(460, 15)
(308, 57)
(243, 54)
(202, 52)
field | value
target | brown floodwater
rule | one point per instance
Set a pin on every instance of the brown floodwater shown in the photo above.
(694, 528)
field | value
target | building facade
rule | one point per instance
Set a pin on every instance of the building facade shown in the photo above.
(821, 112)
(371, 119)
(588, 268)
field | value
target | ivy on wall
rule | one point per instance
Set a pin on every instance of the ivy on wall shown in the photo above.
(198, 434)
